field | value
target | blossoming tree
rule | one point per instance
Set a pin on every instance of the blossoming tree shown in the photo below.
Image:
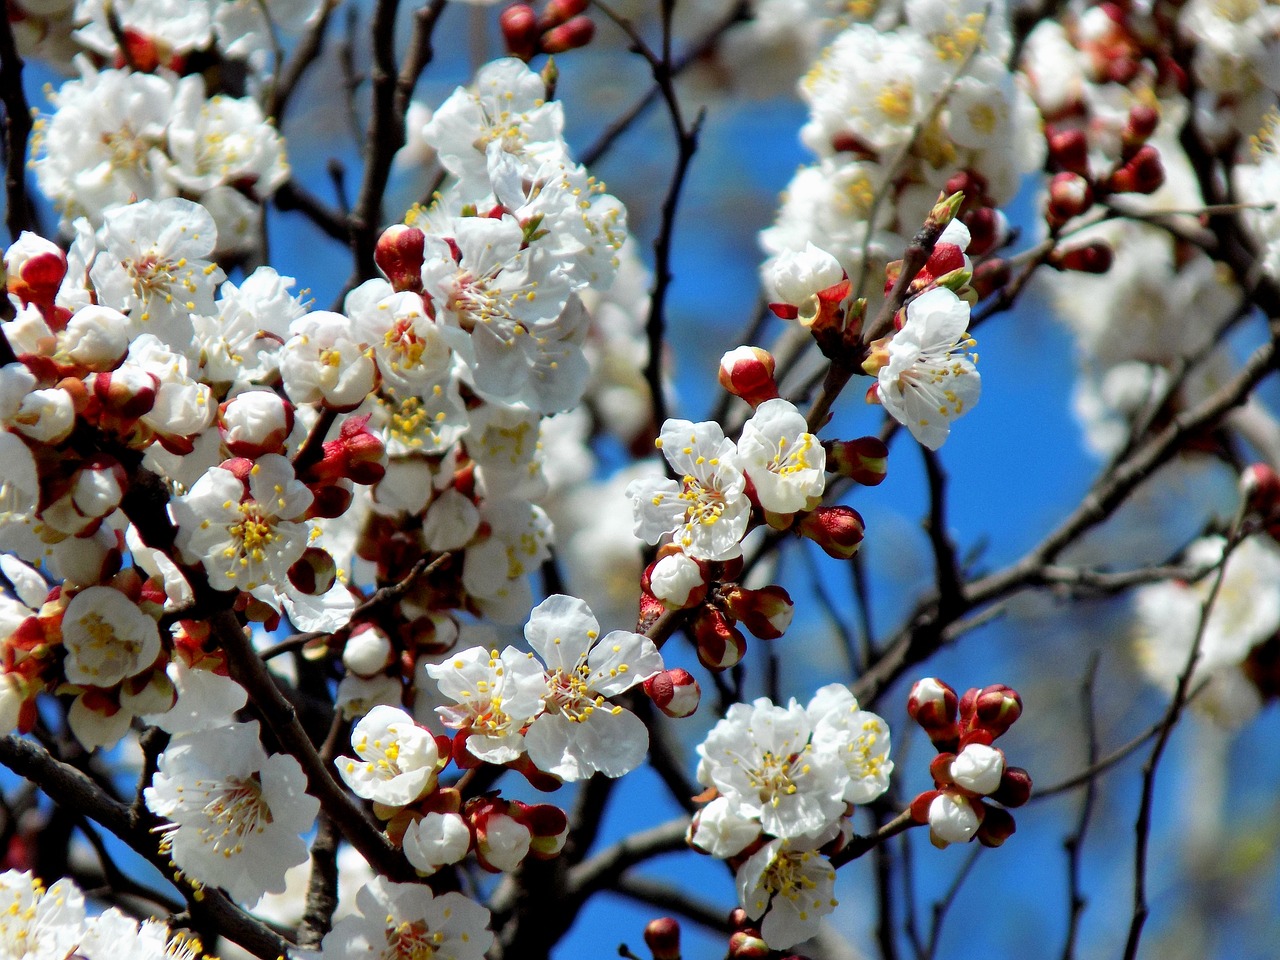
(338, 633)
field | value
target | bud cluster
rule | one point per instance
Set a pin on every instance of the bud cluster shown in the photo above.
(968, 772)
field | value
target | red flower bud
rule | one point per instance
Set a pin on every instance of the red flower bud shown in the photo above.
(989, 276)
(837, 530)
(864, 461)
(766, 612)
(675, 692)
(519, 26)
(1143, 173)
(557, 12)
(1143, 120)
(1015, 787)
(748, 945)
(1069, 196)
(720, 644)
(996, 708)
(996, 827)
(1069, 151)
(1094, 257)
(399, 255)
(569, 36)
(747, 372)
(932, 704)
(662, 936)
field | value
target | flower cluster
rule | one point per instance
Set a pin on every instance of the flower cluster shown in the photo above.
(397, 767)
(40, 922)
(154, 135)
(1240, 631)
(782, 782)
(968, 772)
(896, 115)
(561, 714)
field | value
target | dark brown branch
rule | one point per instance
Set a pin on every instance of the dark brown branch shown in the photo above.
(671, 899)
(392, 90)
(858, 846)
(293, 196)
(71, 789)
(307, 52)
(660, 65)
(1075, 897)
(697, 50)
(249, 671)
(19, 213)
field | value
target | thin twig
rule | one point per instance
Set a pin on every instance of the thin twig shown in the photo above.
(1142, 825)
(1073, 843)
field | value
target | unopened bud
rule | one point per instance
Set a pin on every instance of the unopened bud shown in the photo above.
(1143, 173)
(953, 819)
(989, 276)
(675, 692)
(314, 573)
(748, 945)
(720, 644)
(1260, 487)
(35, 267)
(557, 12)
(519, 25)
(399, 254)
(1069, 196)
(864, 461)
(1093, 257)
(972, 184)
(747, 372)
(978, 769)
(1015, 787)
(996, 708)
(1069, 151)
(988, 229)
(255, 423)
(367, 652)
(932, 704)
(766, 612)
(1142, 123)
(662, 936)
(127, 392)
(569, 36)
(837, 530)
(945, 210)
(677, 580)
(997, 827)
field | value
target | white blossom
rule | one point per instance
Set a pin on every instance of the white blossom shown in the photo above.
(235, 814)
(403, 921)
(929, 378)
(707, 509)
(396, 760)
(582, 732)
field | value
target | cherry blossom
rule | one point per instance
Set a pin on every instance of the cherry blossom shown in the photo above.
(403, 921)
(397, 759)
(235, 815)
(928, 378)
(706, 510)
(244, 524)
(581, 732)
